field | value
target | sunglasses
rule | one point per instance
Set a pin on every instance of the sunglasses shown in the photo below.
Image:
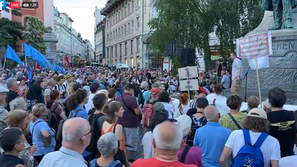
(87, 134)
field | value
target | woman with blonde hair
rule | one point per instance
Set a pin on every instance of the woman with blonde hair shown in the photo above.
(43, 137)
(20, 119)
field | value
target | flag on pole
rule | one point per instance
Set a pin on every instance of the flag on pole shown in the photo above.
(41, 60)
(67, 61)
(59, 68)
(10, 54)
(27, 50)
(30, 76)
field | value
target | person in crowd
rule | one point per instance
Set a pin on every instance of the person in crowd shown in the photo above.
(236, 73)
(234, 119)
(211, 138)
(50, 86)
(167, 139)
(288, 161)
(183, 103)
(282, 122)
(255, 126)
(3, 111)
(61, 87)
(252, 102)
(94, 88)
(144, 95)
(108, 147)
(130, 120)
(12, 142)
(218, 100)
(225, 81)
(73, 87)
(76, 102)
(54, 106)
(13, 87)
(111, 95)
(76, 137)
(103, 91)
(113, 111)
(20, 119)
(159, 116)
(23, 88)
(34, 94)
(166, 101)
(188, 154)
(18, 103)
(43, 137)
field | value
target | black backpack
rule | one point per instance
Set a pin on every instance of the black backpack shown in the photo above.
(141, 99)
(53, 121)
(92, 118)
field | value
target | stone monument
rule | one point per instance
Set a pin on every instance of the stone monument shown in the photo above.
(283, 62)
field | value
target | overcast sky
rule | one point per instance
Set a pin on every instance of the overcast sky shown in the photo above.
(82, 13)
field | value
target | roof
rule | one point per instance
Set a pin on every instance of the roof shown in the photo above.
(109, 6)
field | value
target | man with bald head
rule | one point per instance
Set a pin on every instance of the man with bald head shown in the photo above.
(76, 137)
(211, 138)
(167, 140)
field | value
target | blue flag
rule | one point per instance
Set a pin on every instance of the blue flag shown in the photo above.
(30, 76)
(41, 60)
(27, 50)
(59, 68)
(10, 54)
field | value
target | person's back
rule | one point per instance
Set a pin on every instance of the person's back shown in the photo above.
(76, 137)
(219, 101)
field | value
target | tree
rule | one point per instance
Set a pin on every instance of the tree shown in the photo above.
(190, 22)
(33, 33)
(11, 31)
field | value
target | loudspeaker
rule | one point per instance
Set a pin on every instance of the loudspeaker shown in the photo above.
(188, 57)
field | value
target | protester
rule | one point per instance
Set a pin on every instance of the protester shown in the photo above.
(76, 102)
(76, 137)
(167, 139)
(3, 111)
(218, 100)
(94, 88)
(13, 87)
(183, 103)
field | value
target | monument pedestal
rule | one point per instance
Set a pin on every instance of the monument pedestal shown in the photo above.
(283, 62)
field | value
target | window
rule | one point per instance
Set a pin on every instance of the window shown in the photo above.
(126, 13)
(129, 8)
(138, 45)
(126, 61)
(128, 27)
(138, 22)
(125, 29)
(132, 6)
(132, 24)
(120, 50)
(111, 35)
(107, 35)
(122, 31)
(126, 48)
(116, 35)
(138, 3)
(111, 52)
(131, 43)
(116, 51)
(122, 14)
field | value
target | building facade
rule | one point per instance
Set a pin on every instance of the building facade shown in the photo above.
(100, 57)
(70, 42)
(126, 24)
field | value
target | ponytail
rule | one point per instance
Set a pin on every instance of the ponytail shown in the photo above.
(72, 102)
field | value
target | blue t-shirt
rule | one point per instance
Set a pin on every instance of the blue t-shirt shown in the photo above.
(82, 113)
(38, 139)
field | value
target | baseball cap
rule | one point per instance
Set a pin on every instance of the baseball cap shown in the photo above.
(185, 123)
(155, 91)
(258, 113)
(3, 90)
(158, 106)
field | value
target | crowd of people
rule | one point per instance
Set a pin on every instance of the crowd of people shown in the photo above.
(97, 117)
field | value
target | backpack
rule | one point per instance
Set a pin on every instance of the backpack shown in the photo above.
(250, 155)
(93, 163)
(141, 99)
(147, 114)
(53, 121)
(92, 147)
(61, 123)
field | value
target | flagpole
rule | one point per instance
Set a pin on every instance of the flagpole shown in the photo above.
(4, 63)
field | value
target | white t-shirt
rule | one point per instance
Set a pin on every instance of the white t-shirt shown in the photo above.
(236, 65)
(220, 103)
(185, 109)
(147, 143)
(290, 161)
(270, 147)
(169, 107)
(89, 104)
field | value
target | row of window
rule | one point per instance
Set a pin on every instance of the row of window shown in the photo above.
(124, 30)
(113, 50)
(122, 11)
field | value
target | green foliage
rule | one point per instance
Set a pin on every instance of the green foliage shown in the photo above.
(10, 31)
(190, 23)
(33, 33)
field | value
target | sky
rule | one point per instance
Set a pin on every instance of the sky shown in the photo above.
(82, 13)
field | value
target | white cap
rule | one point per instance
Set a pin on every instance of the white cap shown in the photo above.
(3, 90)
(257, 112)
(185, 123)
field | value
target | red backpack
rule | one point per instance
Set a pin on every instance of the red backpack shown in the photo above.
(147, 114)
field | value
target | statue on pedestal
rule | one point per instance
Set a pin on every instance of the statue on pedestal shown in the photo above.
(282, 9)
